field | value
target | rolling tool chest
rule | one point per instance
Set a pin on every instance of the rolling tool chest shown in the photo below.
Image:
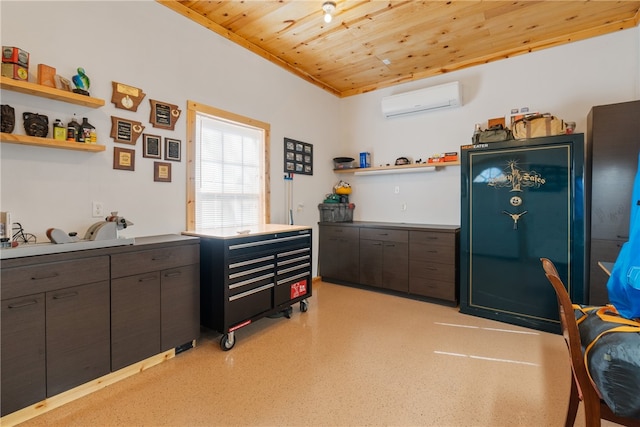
(247, 275)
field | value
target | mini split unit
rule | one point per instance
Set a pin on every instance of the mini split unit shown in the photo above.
(422, 100)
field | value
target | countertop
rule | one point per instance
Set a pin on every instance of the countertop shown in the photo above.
(394, 225)
(235, 232)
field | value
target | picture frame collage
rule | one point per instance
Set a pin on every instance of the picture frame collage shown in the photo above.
(163, 115)
(298, 157)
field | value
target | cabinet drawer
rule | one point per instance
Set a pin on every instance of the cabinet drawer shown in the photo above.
(54, 275)
(432, 238)
(431, 270)
(384, 234)
(153, 260)
(433, 288)
(432, 253)
(331, 232)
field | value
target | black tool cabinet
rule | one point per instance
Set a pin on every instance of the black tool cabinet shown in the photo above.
(245, 277)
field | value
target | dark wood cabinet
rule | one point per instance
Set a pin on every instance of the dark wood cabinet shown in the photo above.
(417, 260)
(384, 258)
(78, 336)
(613, 141)
(153, 302)
(434, 265)
(179, 306)
(135, 318)
(23, 379)
(62, 314)
(339, 256)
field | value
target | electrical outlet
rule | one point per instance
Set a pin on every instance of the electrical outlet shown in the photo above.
(403, 207)
(97, 209)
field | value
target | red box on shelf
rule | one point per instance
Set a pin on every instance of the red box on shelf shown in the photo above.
(15, 55)
(450, 157)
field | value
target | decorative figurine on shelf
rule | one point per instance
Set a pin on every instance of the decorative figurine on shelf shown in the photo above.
(36, 124)
(8, 118)
(82, 82)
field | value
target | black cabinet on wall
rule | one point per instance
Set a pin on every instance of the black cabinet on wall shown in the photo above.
(613, 139)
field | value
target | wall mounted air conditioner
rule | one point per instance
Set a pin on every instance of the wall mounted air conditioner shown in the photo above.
(423, 100)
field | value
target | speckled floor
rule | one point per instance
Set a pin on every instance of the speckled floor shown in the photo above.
(356, 358)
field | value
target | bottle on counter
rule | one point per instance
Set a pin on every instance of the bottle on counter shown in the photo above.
(73, 130)
(59, 130)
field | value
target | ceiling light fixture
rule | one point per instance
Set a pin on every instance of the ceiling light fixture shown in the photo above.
(329, 7)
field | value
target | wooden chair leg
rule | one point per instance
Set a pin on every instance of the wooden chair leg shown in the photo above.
(574, 402)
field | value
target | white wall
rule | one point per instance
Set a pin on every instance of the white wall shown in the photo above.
(565, 81)
(172, 59)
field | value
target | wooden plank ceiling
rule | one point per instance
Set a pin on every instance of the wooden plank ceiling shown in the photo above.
(418, 38)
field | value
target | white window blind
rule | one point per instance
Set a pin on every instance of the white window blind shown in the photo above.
(229, 173)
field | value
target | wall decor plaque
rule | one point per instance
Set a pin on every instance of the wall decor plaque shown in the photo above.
(163, 114)
(298, 157)
(172, 149)
(125, 131)
(126, 97)
(161, 172)
(124, 159)
(151, 145)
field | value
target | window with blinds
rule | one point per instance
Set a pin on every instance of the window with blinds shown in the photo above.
(229, 173)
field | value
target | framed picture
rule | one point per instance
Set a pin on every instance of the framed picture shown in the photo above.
(124, 159)
(151, 146)
(161, 172)
(298, 157)
(172, 149)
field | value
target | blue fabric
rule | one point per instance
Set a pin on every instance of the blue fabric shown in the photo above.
(624, 283)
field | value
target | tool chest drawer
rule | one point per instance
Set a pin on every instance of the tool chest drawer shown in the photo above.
(153, 260)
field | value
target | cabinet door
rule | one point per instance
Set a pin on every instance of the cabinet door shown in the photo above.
(371, 261)
(339, 254)
(23, 378)
(180, 306)
(395, 266)
(135, 319)
(78, 335)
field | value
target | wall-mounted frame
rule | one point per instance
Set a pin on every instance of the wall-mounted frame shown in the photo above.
(172, 149)
(163, 114)
(125, 131)
(298, 157)
(151, 146)
(124, 159)
(161, 172)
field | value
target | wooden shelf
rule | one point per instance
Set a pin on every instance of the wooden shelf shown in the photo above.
(422, 167)
(49, 92)
(49, 142)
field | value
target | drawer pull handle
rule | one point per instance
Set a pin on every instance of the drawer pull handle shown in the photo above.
(160, 258)
(65, 295)
(146, 279)
(383, 234)
(49, 276)
(377, 244)
(23, 304)
(173, 274)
